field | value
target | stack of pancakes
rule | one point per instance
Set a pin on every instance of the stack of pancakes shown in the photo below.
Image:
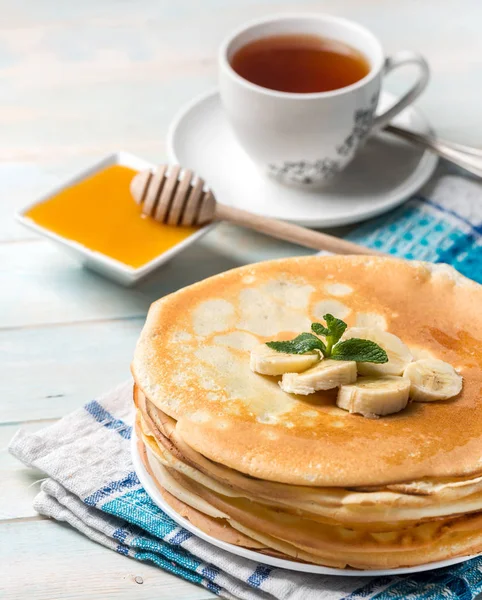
(296, 476)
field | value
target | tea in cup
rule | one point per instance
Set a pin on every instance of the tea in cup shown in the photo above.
(301, 92)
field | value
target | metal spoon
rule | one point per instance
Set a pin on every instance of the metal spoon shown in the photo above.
(467, 157)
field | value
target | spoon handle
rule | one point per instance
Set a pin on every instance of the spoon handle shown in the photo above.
(463, 156)
(289, 232)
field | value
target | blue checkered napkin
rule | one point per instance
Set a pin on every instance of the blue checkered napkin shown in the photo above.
(92, 485)
(445, 227)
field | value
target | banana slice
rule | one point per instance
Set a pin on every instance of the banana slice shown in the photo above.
(266, 361)
(432, 379)
(375, 396)
(328, 374)
(399, 355)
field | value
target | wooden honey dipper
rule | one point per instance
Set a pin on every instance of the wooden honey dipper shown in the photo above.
(173, 197)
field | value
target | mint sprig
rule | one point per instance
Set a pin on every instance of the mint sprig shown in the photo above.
(305, 342)
(353, 349)
(360, 351)
(333, 331)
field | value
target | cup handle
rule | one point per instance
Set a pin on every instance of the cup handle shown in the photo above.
(400, 59)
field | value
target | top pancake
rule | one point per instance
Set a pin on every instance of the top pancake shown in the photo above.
(192, 362)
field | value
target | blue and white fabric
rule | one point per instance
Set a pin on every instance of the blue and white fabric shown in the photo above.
(443, 226)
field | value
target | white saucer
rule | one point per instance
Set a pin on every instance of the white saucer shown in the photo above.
(386, 172)
(153, 492)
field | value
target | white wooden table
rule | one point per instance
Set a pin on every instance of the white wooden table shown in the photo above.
(80, 80)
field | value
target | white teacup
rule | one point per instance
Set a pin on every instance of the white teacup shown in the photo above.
(307, 138)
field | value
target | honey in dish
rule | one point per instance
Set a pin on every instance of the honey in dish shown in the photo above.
(99, 213)
(300, 63)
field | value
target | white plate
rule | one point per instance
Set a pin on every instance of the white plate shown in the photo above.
(281, 563)
(387, 171)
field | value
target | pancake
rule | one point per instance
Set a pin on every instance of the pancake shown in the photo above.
(215, 527)
(192, 363)
(382, 510)
(328, 545)
(373, 511)
(296, 476)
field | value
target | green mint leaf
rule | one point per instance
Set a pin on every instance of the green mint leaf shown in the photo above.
(320, 329)
(305, 342)
(336, 328)
(359, 351)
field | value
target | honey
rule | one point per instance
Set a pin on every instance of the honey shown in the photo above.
(99, 213)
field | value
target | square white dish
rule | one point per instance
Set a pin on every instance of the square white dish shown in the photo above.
(96, 261)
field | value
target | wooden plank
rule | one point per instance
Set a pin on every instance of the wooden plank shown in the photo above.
(20, 484)
(47, 372)
(41, 285)
(63, 564)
